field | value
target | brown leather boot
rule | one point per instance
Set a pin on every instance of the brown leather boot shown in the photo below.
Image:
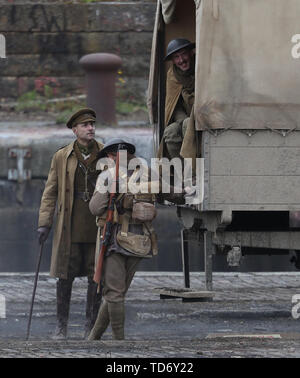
(117, 318)
(63, 298)
(101, 323)
(93, 300)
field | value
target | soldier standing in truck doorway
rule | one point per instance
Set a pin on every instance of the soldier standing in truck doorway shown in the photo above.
(69, 187)
(180, 91)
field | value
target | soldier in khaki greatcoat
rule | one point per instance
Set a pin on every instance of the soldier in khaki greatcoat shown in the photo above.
(69, 186)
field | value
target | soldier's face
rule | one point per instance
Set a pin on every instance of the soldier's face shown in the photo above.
(112, 155)
(85, 132)
(182, 59)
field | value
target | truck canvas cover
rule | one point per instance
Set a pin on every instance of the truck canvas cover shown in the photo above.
(246, 76)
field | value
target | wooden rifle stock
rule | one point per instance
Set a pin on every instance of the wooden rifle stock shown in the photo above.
(107, 229)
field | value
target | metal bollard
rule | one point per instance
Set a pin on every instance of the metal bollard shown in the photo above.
(101, 72)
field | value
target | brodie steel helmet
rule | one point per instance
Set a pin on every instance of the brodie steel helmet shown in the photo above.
(112, 146)
(178, 44)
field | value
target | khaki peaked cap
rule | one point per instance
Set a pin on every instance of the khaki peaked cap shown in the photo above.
(82, 115)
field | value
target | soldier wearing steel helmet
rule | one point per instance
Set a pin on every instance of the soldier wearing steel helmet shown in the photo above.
(69, 186)
(180, 90)
(132, 237)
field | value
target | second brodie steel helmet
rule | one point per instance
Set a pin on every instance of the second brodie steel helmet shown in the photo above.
(178, 44)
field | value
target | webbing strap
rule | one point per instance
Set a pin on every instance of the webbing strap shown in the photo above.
(125, 224)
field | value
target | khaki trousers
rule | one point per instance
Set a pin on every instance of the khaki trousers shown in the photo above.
(82, 260)
(118, 272)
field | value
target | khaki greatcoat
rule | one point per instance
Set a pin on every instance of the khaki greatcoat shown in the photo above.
(59, 190)
(173, 91)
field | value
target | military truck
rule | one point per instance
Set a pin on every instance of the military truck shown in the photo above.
(247, 116)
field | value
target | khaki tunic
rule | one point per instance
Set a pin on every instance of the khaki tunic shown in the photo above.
(59, 190)
(84, 228)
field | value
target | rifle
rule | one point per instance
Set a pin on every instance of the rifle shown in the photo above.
(107, 229)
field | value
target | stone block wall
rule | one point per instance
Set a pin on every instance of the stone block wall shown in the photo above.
(47, 39)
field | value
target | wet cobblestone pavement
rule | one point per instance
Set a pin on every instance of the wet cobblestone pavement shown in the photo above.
(250, 316)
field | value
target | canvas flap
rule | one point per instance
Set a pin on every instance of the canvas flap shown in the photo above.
(246, 76)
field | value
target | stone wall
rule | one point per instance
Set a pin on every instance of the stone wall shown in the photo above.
(47, 39)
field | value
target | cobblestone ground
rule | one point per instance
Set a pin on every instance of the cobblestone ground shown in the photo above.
(250, 316)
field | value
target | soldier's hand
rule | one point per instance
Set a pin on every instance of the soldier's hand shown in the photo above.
(43, 233)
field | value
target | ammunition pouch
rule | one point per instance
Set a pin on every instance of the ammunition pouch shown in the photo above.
(139, 245)
(143, 208)
(134, 209)
(143, 211)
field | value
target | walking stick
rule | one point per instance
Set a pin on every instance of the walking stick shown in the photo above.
(34, 288)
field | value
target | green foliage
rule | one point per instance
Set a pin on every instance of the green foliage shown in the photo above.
(48, 91)
(34, 102)
(30, 101)
(123, 107)
(43, 102)
(28, 96)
